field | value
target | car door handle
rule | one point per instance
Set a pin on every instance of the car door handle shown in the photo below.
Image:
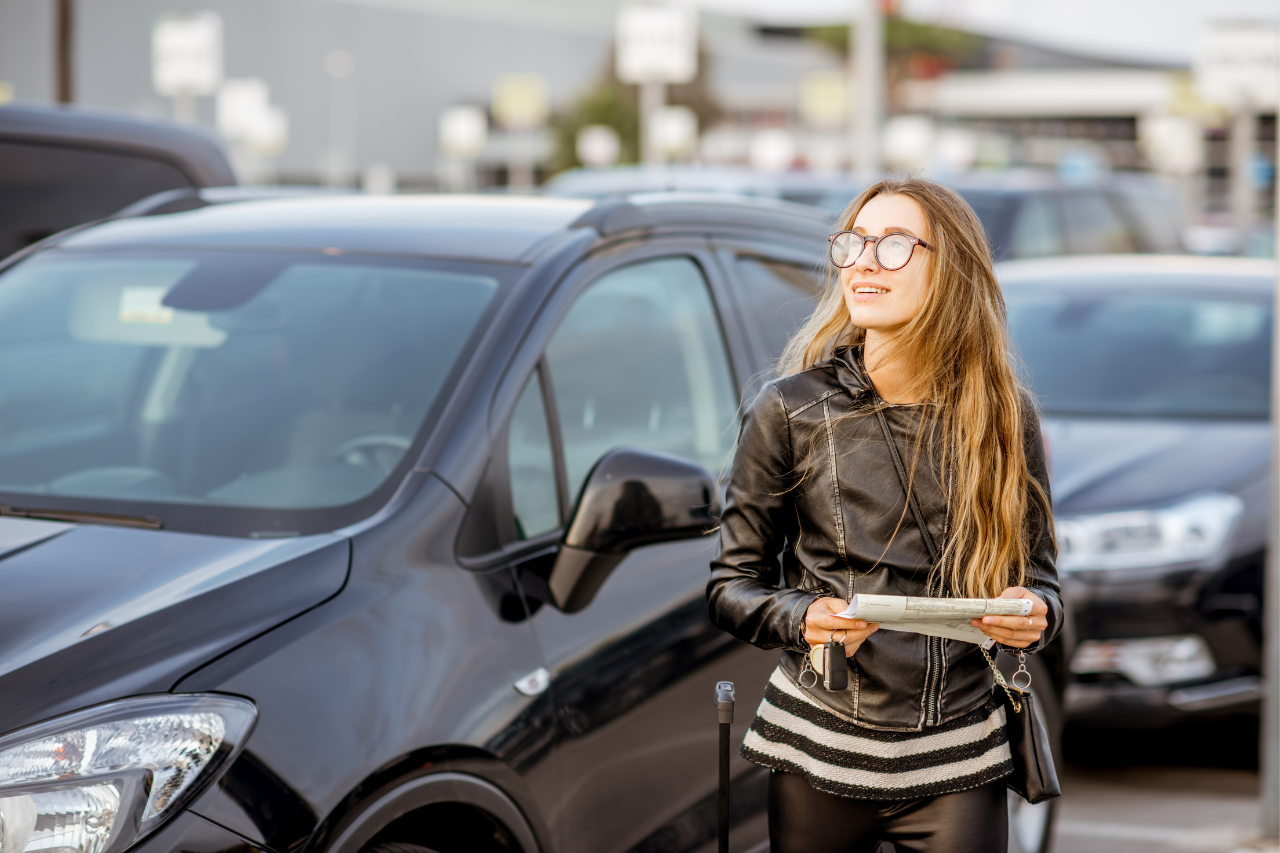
(535, 682)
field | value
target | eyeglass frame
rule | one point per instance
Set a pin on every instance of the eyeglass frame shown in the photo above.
(875, 248)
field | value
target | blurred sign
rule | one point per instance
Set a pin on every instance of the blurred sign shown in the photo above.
(909, 142)
(246, 116)
(674, 131)
(1173, 145)
(772, 150)
(824, 99)
(657, 43)
(598, 146)
(1237, 65)
(186, 54)
(521, 101)
(464, 132)
(340, 63)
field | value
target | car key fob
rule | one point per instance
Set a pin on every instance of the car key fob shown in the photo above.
(835, 666)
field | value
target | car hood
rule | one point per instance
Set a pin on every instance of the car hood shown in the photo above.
(1104, 464)
(89, 614)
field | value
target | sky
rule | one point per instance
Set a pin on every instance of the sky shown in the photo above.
(1156, 31)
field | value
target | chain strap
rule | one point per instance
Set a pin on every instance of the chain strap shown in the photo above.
(1022, 667)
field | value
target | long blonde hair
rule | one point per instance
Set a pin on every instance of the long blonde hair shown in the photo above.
(957, 354)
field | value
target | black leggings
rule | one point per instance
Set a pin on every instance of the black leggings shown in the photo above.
(803, 819)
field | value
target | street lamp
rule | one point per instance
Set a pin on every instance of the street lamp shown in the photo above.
(463, 135)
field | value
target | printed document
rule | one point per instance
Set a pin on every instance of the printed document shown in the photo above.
(934, 617)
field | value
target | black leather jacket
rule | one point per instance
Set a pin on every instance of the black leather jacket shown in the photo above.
(788, 538)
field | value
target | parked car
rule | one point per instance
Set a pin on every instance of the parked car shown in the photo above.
(1033, 215)
(829, 192)
(63, 166)
(379, 524)
(1027, 214)
(1154, 374)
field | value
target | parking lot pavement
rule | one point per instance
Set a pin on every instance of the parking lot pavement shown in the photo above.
(1157, 810)
(1187, 789)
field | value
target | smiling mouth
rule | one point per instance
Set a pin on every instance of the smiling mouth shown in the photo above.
(866, 289)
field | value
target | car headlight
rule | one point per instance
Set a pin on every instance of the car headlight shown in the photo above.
(1192, 531)
(98, 780)
(1147, 661)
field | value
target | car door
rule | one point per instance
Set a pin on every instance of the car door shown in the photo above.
(638, 359)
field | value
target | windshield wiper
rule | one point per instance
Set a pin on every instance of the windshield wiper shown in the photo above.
(78, 517)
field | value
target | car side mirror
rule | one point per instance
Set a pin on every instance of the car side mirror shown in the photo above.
(631, 498)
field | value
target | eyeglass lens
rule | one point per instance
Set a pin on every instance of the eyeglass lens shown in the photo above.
(892, 251)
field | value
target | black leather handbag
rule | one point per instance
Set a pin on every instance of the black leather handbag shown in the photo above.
(1034, 777)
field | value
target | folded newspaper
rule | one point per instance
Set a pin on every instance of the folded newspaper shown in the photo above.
(934, 617)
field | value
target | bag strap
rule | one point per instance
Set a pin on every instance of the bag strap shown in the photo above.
(902, 478)
(929, 543)
(1017, 705)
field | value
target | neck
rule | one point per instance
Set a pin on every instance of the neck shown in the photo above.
(889, 375)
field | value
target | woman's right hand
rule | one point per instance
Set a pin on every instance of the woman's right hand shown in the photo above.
(821, 622)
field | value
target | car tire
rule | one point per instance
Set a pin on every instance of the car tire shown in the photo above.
(1031, 827)
(396, 847)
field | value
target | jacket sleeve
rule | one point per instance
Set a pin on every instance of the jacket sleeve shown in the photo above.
(1042, 574)
(745, 595)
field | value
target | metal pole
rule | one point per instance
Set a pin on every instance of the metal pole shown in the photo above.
(653, 97)
(1242, 193)
(867, 43)
(724, 714)
(1270, 758)
(64, 46)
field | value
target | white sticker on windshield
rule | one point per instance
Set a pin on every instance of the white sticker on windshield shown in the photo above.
(144, 305)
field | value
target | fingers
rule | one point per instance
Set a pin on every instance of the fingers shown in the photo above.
(1034, 622)
(1037, 603)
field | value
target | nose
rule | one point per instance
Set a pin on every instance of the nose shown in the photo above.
(866, 259)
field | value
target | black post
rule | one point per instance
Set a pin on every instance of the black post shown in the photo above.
(64, 48)
(724, 713)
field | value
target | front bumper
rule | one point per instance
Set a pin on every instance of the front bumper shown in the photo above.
(190, 833)
(1220, 606)
(1121, 704)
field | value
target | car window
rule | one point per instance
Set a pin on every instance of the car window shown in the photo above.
(1156, 353)
(996, 211)
(45, 189)
(1093, 225)
(1156, 217)
(196, 380)
(776, 298)
(1037, 231)
(639, 361)
(532, 465)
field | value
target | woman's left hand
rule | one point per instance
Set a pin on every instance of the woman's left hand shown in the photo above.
(1016, 631)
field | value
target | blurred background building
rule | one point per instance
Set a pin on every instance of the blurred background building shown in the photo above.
(445, 95)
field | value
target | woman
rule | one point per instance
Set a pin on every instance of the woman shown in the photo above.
(914, 750)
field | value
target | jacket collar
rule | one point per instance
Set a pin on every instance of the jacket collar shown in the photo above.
(847, 361)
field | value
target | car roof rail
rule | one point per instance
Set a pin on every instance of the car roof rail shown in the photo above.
(169, 201)
(611, 216)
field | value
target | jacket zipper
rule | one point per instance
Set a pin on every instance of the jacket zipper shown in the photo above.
(933, 682)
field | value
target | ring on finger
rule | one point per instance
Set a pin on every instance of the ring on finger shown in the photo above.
(843, 634)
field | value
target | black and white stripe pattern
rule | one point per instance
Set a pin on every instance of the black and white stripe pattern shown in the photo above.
(792, 733)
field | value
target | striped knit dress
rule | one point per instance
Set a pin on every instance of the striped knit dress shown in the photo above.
(793, 733)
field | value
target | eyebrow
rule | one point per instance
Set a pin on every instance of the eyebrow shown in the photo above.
(892, 229)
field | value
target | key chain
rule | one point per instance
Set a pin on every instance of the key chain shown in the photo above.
(809, 670)
(1022, 670)
(835, 666)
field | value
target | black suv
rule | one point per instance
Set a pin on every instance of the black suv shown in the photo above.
(352, 524)
(62, 166)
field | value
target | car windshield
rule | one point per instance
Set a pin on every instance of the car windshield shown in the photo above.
(231, 392)
(1144, 353)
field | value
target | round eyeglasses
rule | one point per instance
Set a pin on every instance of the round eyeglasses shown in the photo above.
(892, 251)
